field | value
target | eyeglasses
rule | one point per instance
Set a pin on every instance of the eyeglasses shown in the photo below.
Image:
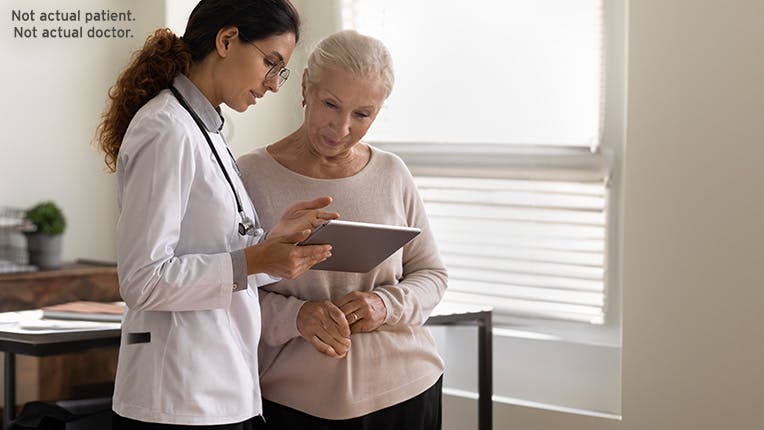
(276, 69)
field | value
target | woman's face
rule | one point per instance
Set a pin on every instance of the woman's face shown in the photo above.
(339, 109)
(242, 77)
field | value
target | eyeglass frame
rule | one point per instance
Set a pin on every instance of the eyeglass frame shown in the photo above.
(282, 73)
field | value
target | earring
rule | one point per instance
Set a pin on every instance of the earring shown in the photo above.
(303, 102)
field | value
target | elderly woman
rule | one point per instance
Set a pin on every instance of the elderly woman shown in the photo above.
(348, 350)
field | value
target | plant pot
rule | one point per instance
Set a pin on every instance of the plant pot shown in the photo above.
(44, 250)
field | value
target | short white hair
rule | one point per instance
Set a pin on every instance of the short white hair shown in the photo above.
(353, 52)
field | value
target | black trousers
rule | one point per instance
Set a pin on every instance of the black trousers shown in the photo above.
(119, 422)
(422, 412)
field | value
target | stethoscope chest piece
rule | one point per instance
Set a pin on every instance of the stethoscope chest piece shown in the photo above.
(247, 226)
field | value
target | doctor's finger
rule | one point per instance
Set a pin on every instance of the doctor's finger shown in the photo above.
(313, 258)
(323, 215)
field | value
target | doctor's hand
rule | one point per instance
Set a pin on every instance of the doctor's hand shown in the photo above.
(303, 215)
(364, 311)
(279, 256)
(323, 325)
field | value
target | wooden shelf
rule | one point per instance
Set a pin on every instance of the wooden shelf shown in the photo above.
(32, 290)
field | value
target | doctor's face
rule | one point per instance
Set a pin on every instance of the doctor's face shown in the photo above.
(339, 109)
(254, 69)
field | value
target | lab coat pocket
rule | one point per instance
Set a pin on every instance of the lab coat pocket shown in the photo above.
(203, 370)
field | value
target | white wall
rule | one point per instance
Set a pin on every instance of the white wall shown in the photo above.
(694, 210)
(53, 92)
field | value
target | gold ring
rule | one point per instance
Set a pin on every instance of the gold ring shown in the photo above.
(355, 317)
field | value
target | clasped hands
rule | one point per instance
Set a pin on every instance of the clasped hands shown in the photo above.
(328, 325)
(278, 255)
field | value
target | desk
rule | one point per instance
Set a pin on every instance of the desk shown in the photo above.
(457, 314)
(74, 375)
(40, 345)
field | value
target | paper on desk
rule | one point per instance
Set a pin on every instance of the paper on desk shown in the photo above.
(17, 317)
(31, 322)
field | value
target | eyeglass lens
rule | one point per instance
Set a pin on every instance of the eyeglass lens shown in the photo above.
(283, 73)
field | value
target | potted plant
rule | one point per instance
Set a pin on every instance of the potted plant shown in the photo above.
(44, 244)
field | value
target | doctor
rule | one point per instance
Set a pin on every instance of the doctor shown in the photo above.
(188, 235)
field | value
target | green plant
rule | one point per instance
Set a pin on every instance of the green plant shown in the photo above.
(47, 217)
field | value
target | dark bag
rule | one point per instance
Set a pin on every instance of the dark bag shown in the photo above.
(65, 415)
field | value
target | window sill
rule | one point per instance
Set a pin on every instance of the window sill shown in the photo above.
(537, 368)
(470, 395)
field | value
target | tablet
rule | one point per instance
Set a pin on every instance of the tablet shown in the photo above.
(358, 246)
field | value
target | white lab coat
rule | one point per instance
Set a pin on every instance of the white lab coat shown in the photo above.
(177, 225)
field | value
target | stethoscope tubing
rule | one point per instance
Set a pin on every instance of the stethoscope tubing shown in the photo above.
(246, 226)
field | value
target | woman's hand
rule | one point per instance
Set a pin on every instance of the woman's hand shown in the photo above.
(364, 311)
(323, 325)
(279, 256)
(303, 215)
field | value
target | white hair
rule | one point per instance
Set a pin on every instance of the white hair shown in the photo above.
(353, 52)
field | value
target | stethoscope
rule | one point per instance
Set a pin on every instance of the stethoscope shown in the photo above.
(246, 226)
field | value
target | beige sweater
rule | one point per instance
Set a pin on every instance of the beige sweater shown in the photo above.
(394, 363)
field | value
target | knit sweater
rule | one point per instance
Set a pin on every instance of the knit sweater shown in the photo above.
(392, 364)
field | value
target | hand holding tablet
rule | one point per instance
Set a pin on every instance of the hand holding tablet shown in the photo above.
(358, 246)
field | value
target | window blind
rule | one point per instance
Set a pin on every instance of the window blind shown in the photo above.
(513, 234)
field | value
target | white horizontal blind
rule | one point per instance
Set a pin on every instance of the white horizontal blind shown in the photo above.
(528, 247)
(496, 111)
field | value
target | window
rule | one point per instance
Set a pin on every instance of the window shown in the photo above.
(498, 110)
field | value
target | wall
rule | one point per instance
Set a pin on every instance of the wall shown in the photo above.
(54, 91)
(694, 208)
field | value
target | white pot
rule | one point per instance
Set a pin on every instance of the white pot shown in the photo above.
(44, 250)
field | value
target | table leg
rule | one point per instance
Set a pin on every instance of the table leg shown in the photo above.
(9, 408)
(485, 372)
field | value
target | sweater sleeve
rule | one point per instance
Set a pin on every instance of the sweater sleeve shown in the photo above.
(279, 316)
(425, 278)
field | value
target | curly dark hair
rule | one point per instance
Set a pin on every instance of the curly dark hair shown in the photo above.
(165, 55)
